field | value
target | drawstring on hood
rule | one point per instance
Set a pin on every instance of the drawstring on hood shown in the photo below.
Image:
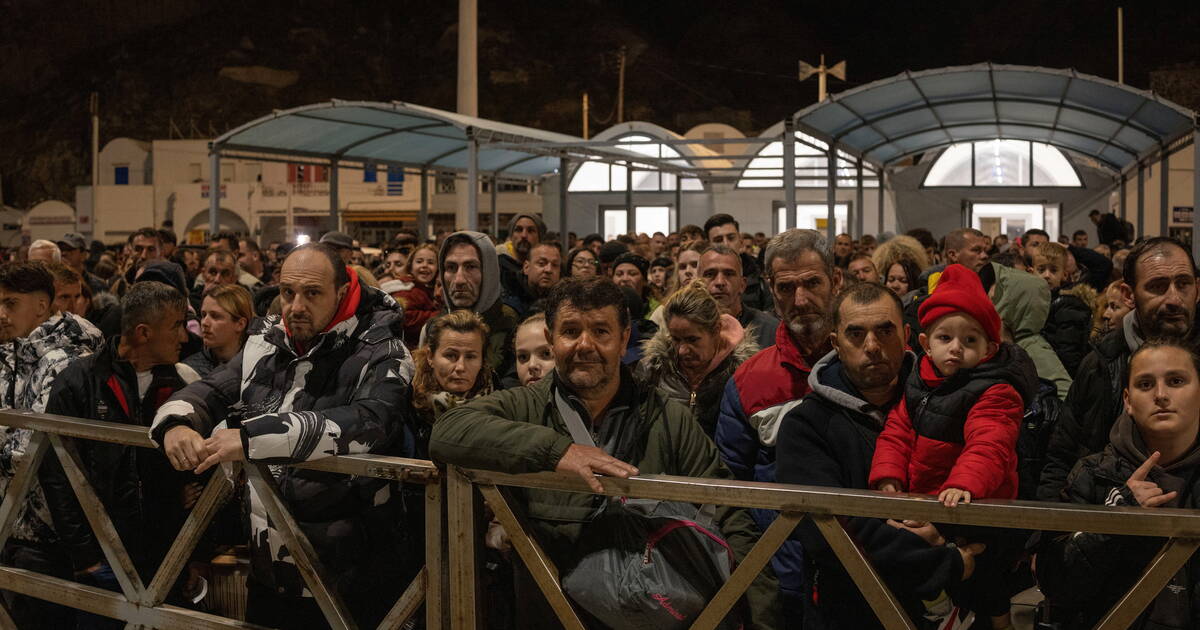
(489, 289)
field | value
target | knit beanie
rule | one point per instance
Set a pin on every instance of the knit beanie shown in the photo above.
(959, 290)
(633, 259)
(537, 220)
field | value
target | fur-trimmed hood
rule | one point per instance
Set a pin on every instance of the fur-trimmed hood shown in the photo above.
(657, 355)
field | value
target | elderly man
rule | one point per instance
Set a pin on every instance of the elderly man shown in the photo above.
(541, 271)
(636, 430)
(721, 269)
(470, 273)
(42, 250)
(1160, 287)
(337, 355)
(829, 439)
(803, 281)
(723, 229)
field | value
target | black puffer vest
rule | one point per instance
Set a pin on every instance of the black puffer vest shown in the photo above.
(938, 413)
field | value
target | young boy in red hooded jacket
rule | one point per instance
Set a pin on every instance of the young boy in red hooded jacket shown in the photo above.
(955, 432)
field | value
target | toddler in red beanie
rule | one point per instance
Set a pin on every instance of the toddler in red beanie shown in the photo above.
(954, 433)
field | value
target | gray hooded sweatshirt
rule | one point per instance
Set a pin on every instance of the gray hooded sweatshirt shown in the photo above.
(501, 319)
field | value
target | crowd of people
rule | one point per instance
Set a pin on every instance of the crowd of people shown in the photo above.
(965, 368)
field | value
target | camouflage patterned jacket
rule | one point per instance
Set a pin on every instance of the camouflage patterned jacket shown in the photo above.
(347, 393)
(27, 369)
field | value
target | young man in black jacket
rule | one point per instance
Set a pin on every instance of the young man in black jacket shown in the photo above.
(124, 382)
(829, 440)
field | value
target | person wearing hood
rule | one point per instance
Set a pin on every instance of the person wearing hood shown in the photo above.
(692, 357)
(1023, 302)
(1152, 460)
(828, 440)
(1160, 285)
(337, 353)
(524, 231)
(470, 274)
(38, 343)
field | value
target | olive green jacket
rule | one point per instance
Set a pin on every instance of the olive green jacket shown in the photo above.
(520, 431)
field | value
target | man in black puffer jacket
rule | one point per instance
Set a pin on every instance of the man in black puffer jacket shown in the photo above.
(125, 382)
(1162, 276)
(829, 439)
(331, 378)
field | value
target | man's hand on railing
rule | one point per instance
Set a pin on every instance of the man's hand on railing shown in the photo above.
(184, 447)
(225, 445)
(587, 462)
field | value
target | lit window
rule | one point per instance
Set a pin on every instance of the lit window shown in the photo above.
(601, 177)
(1002, 163)
(812, 167)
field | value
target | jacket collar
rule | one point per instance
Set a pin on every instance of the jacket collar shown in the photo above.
(789, 352)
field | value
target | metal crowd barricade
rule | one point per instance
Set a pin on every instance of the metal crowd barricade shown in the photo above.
(824, 506)
(143, 605)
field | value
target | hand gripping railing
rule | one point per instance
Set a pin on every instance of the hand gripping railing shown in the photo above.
(824, 506)
(142, 605)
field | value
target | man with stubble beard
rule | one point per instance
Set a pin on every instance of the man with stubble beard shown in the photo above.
(1160, 286)
(803, 282)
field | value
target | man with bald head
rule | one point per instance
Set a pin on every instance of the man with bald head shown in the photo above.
(329, 377)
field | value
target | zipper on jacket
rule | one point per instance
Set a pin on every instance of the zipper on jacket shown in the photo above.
(692, 403)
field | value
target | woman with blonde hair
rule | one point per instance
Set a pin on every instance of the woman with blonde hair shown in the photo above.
(896, 249)
(451, 368)
(225, 316)
(692, 357)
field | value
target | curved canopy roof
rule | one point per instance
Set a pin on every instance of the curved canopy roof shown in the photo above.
(915, 112)
(407, 135)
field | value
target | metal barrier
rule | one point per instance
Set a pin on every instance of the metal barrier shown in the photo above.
(823, 506)
(142, 605)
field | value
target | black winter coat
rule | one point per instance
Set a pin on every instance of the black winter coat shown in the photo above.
(138, 487)
(1084, 574)
(1067, 329)
(828, 440)
(1095, 403)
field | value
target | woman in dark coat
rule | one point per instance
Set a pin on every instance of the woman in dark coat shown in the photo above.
(1153, 461)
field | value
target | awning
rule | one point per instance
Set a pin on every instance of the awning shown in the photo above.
(916, 112)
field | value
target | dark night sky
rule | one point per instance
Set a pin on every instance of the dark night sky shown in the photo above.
(155, 63)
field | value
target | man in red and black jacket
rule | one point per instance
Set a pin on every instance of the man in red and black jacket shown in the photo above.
(125, 382)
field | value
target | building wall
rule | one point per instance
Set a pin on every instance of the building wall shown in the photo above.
(1180, 183)
(133, 154)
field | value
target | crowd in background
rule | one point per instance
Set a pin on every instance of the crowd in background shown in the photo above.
(1045, 367)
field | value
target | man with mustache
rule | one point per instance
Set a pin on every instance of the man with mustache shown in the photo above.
(470, 275)
(1160, 286)
(634, 428)
(331, 377)
(524, 232)
(803, 281)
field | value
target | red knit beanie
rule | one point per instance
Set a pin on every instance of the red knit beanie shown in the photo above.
(959, 290)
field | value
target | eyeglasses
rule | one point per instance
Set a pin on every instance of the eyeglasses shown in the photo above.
(582, 263)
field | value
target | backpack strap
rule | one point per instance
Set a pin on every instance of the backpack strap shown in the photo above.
(579, 431)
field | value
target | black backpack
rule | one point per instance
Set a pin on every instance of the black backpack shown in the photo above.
(1041, 416)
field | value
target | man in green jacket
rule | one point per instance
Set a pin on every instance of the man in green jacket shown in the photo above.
(521, 431)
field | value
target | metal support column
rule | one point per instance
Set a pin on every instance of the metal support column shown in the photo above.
(789, 173)
(879, 219)
(1122, 212)
(630, 212)
(423, 211)
(472, 183)
(214, 191)
(495, 213)
(857, 227)
(678, 202)
(335, 221)
(1141, 202)
(831, 196)
(563, 164)
(1196, 193)
(1164, 195)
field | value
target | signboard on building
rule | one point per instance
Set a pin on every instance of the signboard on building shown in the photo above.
(204, 190)
(1182, 215)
